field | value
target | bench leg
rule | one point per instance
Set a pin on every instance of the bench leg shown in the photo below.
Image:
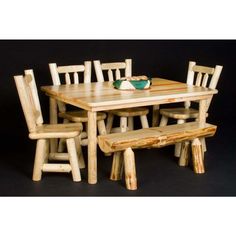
(130, 172)
(117, 166)
(117, 163)
(197, 154)
(184, 155)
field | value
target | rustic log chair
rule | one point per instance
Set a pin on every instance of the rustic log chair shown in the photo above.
(79, 116)
(126, 114)
(181, 114)
(30, 103)
(155, 137)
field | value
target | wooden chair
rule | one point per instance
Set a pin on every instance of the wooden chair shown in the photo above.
(127, 114)
(200, 76)
(79, 116)
(28, 95)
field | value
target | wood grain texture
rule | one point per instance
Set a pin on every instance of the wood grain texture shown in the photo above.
(155, 136)
(197, 153)
(27, 91)
(98, 96)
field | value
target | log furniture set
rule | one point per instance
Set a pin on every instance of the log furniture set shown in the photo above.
(99, 100)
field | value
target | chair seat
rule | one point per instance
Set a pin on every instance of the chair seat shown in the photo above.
(46, 131)
(80, 116)
(129, 112)
(180, 113)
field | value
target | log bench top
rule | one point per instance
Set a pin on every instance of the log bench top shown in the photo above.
(155, 136)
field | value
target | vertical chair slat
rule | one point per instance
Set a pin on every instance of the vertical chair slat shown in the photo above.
(205, 79)
(199, 79)
(110, 75)
(117, 74)
(76, 78)
(67, 77)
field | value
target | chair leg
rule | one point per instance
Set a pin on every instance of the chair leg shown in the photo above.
(131, 122)
(155, 115)
(144, 121)
(185, 152)
(42, 151)
(73, 159)
(79, 153)
(110, 118)
(164, 121)
(130, 171)
(101, 127)
(117, 162)
(117, 166)
(197, 155)
(178, 145)
(203, 141)
(62, 141)
(61, 145)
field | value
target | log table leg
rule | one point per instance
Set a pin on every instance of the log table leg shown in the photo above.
(155, 115)
(53, 120)
(92, 147)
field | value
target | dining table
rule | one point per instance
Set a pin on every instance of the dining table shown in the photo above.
(102, 96)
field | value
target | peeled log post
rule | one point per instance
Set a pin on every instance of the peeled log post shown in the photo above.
(130, 171)
(117, 166)
(197, 154)
(184, 155)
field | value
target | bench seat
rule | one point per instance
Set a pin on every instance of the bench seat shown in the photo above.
(123, 143)
(155, 136)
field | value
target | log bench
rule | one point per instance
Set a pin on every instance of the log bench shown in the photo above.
(155, 137)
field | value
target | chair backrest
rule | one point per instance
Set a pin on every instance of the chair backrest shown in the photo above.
(110, 68)
(203, 76)
(67, 71)
(28, 94)
(56, 71)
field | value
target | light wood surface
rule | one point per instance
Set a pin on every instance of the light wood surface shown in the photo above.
(101, 96)
(92, 147)
(71, 76)
(201, 76)
(30, 103)
(114, 73)
(130, 169)
(155, 136)
(197, 152)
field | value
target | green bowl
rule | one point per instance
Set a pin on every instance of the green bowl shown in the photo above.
(132, 84)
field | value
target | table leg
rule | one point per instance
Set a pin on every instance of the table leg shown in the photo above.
(53, 120)
(92, 147)
(202, 112)
(155, 115)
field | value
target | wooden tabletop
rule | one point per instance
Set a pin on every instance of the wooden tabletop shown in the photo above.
(100, 96)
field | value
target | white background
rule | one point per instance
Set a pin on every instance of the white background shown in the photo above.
(121, 19)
